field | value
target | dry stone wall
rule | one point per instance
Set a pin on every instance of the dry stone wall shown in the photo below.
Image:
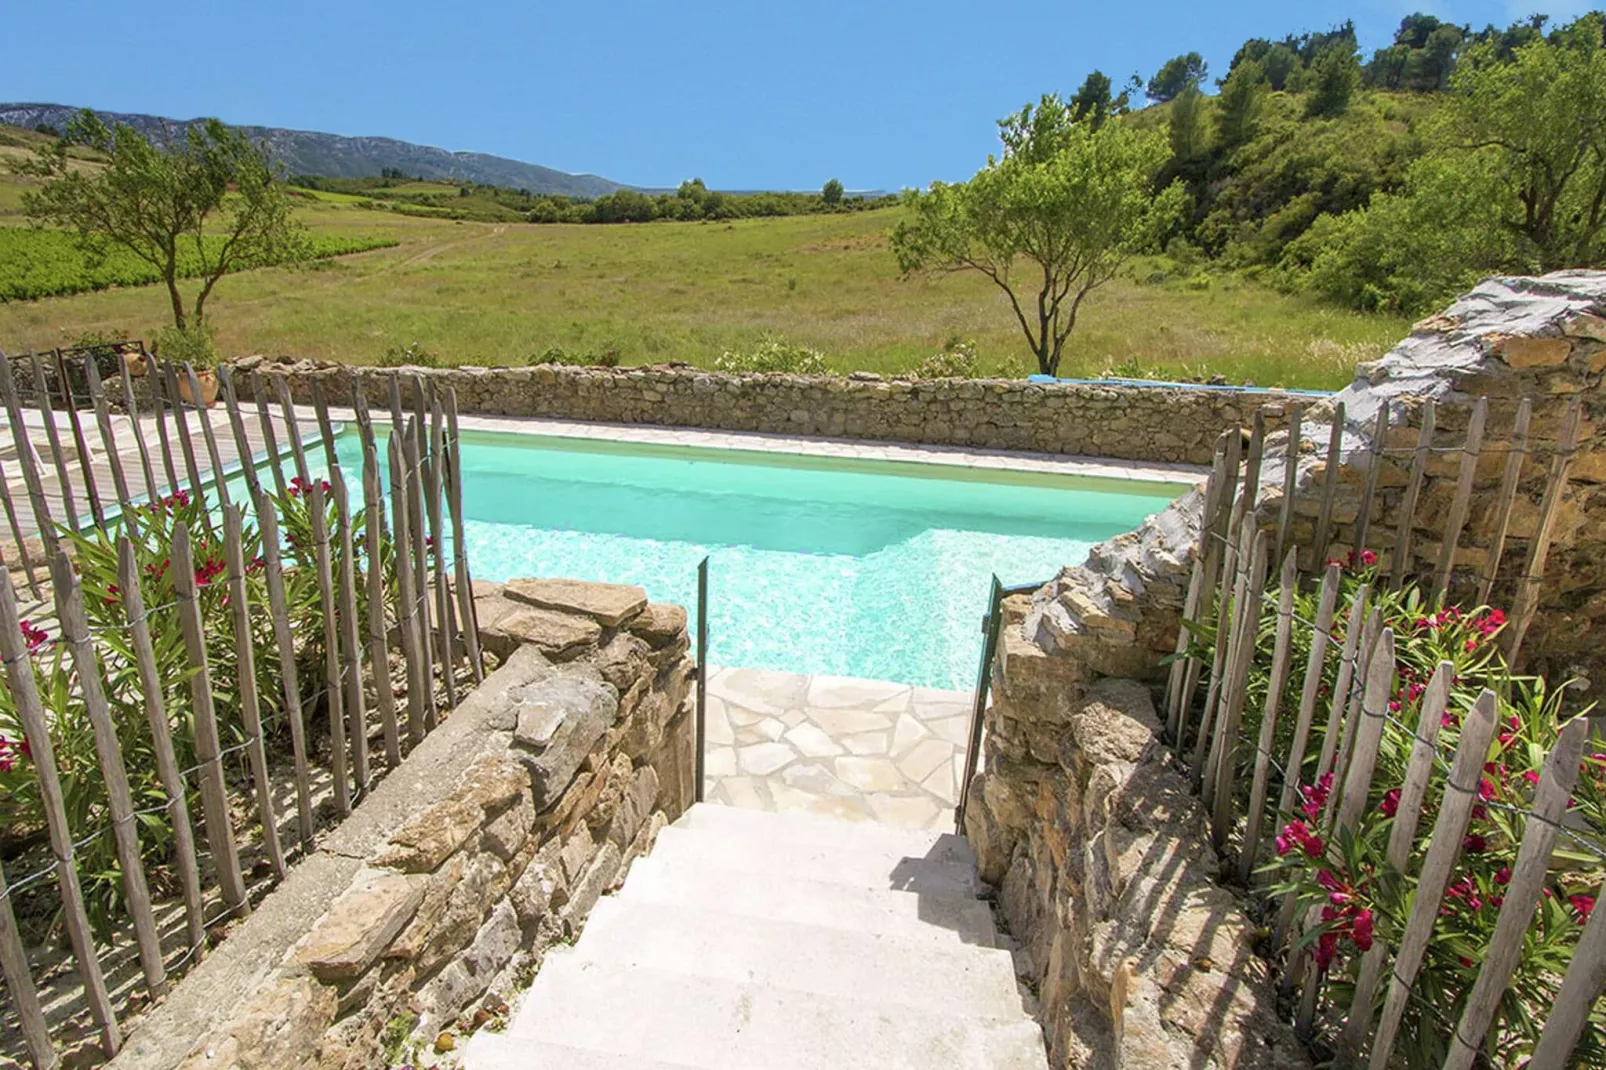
(491, 842)
(1158, 424)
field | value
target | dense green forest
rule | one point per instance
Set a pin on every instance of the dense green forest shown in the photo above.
(693, 201)
(1388, 182)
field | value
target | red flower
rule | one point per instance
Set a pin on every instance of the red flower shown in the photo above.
(34, 636)
(11, 753)
(1584, 904)
(1503, 875)
(1368, 558)
(1474, 844)
(1326, 950)
(1296, 834)
(1391, 802)
(1531, 777)
(1361, 930)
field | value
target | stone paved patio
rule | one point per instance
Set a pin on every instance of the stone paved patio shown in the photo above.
(865, 750)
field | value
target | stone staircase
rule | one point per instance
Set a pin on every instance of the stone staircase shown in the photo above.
(779, 941)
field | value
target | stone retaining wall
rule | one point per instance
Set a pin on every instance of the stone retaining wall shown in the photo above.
(1156, 424)
(491, 842)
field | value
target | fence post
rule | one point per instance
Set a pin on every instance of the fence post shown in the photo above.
(131, 408)
(1516, 453)
(1586, 973)
(291, 430)
(1527, 602)
(334, 690)
(242, 444)
(29, 460)
(351, 647)
(1444, 847)
(58, 457)
(1289, 580)
(16, 531)
(108, 438)
(155, 702)
(702, 679)
(1363, 515)
(1556, 782)
(1413, 490)
(1324, 517)
(204, 418)
(250, 701)
(1225, 770)
(19, 984)
(109, 752)
(378, 634)
(1285, 514)
(185, 442)
(259, 395)
(289, 675)
(36, 730)
(406, 597)
(1463, 498)
(412, 497)
(460, 572)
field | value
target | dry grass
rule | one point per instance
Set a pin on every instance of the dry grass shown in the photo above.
(496, 294)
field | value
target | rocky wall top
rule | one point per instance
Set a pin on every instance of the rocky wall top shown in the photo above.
(1163, 424)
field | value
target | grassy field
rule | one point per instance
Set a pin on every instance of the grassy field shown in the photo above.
(499, 293)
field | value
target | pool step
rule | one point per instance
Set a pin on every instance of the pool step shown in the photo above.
(761, 941)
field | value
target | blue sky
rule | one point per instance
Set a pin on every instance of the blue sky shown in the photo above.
(745, 95)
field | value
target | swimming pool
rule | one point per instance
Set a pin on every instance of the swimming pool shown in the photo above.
(816, 565)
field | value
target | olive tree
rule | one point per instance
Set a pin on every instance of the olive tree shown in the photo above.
(206, 203)
(1050, 220)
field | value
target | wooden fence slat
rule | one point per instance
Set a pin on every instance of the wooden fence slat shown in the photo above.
(1557, 779)
(289, 675)
(28, 460)
(1363, 515)
(164, 404)
(1285, 515)
(131, 407)
(1457, 517)
(1215, 488)
(1226, 766)
(19, 985)
(15, 525)
(1368, 732)
(406, 601)
(181, 423)
(1527, 601)
(378, 634)
(36, 730)
(80, 442)
(1190, 613)
(326, 429)
(214, 793)
(350, 646)
(1444, 847)
(58, 456)
(108, 437)
(250, 701)
(291, 430)
(1580, 988)
(393, 387)
(152, 694)
(242, 443)
(109, 752)
(334, 690)
(1406, 526)
(1288, 581)
(460, 569)
(1354, 706)
(1228, 608)
(1506, 498)
(1354, 625)
(1324, 516)
(445, 639)
(270, 438)
(203, 417)
(1358, 1023)
(413, 496)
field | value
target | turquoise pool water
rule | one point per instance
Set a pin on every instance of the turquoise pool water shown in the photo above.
(872, 569)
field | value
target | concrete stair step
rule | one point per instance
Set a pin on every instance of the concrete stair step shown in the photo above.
(870, 868)
(880, 968)
(687, 880)
(500, 1051)
(737, 1024)
(797, 828)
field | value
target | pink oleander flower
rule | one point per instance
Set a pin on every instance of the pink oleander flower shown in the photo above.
(1583, 904)
(1391, 802)
(1361, 930)
(34, 636)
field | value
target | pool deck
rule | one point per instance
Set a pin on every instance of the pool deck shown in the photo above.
(864, 750)
(839, 448)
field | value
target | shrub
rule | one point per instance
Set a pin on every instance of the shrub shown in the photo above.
(413, 354)
(774, 354)
(956, 361)
(195, 345)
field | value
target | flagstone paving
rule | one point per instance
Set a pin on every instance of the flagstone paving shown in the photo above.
(867, 750)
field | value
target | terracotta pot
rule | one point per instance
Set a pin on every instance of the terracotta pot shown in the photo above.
(135, 362)
(209, 387)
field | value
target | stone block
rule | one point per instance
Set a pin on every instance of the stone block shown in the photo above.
(609, 604)
(660, 623)
(360, 925)
(273, 1029)
(1113, 722)
(485, 880)
(558, 635)
(597, 878)
(467, 976)
(507, 833)
(560, 720)
(431, 837)
(540, 885)
(442, 886)
(623, 660)
(1528, 351)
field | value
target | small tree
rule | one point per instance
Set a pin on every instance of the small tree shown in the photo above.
(1332, 80)
(832, 192)
(1067, 204)
(1176, 75)
(210, 199)
(1092, 103)
(1239, 104)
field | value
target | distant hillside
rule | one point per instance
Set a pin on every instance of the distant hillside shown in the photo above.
(309, 153)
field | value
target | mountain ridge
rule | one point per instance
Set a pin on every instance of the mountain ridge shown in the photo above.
(312, 152)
